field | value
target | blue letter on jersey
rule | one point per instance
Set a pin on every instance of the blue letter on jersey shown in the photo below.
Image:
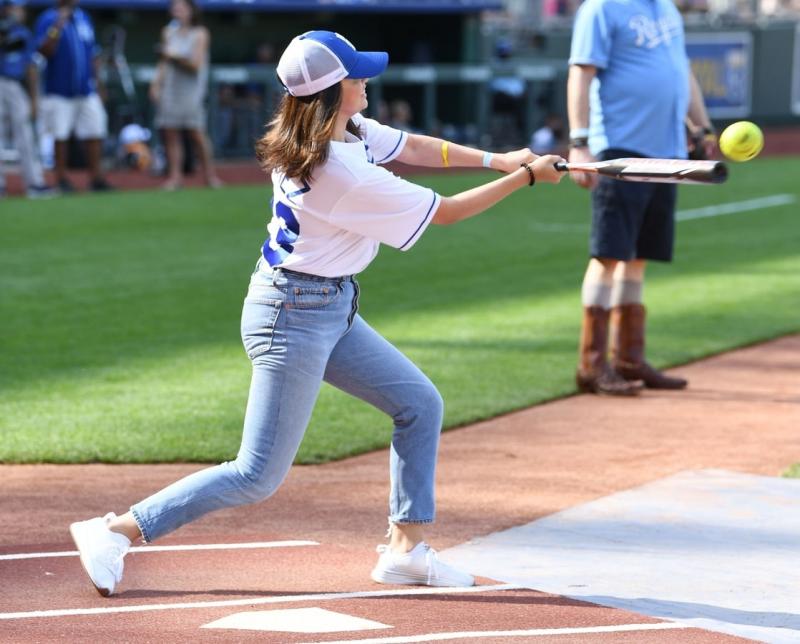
(283, 233)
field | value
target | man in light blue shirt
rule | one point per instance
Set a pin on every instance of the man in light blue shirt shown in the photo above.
(629, 93)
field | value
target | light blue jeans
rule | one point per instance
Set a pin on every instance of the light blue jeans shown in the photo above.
(299, 330)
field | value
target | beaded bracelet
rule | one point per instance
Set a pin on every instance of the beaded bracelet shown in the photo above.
(531, 176)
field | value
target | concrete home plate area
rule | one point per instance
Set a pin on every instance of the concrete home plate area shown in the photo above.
(588, 519)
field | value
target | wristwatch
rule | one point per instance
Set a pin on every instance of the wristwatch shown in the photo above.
(579, 142)
(708, 132)
(579, 137)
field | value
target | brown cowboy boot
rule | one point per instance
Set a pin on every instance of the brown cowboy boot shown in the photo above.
(594, 373)
(627, 349)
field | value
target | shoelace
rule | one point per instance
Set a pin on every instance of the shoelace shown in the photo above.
(115, 555)
(431, 563)
(431, 560)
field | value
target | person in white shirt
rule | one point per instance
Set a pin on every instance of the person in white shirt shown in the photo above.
(333, 205)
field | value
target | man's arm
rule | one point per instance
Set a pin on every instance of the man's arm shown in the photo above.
(702, 128)
(32, 83)
(578, 82)
(49, 43)
(697, 106)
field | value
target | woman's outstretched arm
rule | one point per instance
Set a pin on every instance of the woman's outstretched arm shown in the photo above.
(430, 152)
(474, 201)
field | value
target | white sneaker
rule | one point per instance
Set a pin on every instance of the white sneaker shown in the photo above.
(101, 551)
(419, 566)
(41, 192)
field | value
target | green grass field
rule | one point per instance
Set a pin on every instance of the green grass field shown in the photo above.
(120, 313)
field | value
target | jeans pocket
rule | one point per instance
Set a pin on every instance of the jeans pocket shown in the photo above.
(311, 297)
(259, 317)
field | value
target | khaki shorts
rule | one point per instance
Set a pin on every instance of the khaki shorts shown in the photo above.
(83, 115)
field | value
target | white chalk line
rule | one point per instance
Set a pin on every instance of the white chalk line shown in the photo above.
(736, 206)
(716, 210)
(254, 601)
(533, 632)
(207, 546)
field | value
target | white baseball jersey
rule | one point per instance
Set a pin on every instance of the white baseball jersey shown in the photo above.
(333, 225)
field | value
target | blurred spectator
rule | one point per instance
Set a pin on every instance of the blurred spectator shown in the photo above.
(265, 54)
(740, 10)
(179, 91)
(225, 116)
(786, 9)
(508, 97)
(239, 116)
(121, 100)
(255, 102)
(134, 150)
(556, 8)
(65, 37)
(400, 116)
(17, 71)
(382, 113)
(547, 139)
(250, 119)
(692, 6)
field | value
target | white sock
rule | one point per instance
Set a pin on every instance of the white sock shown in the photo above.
(626, 292)
(596, 294)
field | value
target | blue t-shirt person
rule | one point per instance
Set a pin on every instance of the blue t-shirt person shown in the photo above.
(640, 95)
(14, 62)
(70, 70)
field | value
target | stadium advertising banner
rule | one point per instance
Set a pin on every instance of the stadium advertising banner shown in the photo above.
(796, 71)
(723, 65)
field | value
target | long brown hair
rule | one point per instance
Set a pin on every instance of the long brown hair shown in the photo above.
(197, 14)
(298, 135)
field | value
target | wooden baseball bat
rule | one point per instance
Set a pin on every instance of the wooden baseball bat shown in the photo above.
(654, 170)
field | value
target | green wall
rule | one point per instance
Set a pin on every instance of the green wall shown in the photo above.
(236, 35)
(772, 68)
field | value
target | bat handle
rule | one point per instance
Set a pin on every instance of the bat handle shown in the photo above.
(561, 166)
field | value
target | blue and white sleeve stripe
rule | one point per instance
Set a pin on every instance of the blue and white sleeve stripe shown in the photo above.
(396, 149)
(423, 223)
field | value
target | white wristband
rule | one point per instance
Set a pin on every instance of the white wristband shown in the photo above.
(579, 133)
(487, 159)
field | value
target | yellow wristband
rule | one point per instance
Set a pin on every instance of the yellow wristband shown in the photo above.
(445, 161)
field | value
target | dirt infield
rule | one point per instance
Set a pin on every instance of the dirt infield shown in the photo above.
(742, 412)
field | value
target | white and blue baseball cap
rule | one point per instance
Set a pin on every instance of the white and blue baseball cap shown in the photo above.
(317, 60)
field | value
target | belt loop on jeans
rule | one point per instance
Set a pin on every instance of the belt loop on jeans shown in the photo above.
(320, 278)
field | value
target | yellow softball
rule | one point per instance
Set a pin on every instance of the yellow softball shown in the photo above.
(741, 141)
